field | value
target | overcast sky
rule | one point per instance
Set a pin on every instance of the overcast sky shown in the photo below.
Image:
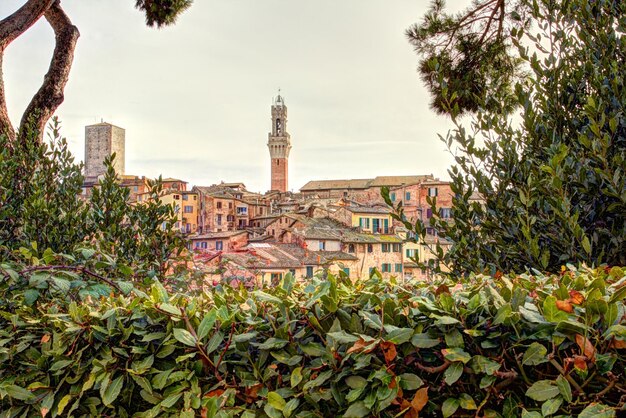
(195, 98)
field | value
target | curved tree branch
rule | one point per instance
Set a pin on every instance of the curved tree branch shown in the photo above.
(17, 23)
(50, 95)
(10, 28)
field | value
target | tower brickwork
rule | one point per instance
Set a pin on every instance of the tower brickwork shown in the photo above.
(279, 144)
(102, 140)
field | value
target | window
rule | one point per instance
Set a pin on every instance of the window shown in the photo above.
(176, 197)
(385, 248)
(195, 197)
(429, 213)
(185, 197)
(411, 252)
(177, 225)
(218, 205)
(242, 210)
(139, 198)
(203, 245)
(188, 209)
(219, 245)
(392, 196)
(446, 213)
(309, 271)
(432, 191)
(364, 223)
(322, 245)
(230, 205)
(219, 219)
(188, 228)
(370, 248)
(372, 269)
(376, 225)
(350, 248)
(398, 268)
(397, 248)
(230, 218)
(242, 223)
(407, 196)
(347, 271)
(276, 278)
(135, 189)
(386, 268)
(385, 226)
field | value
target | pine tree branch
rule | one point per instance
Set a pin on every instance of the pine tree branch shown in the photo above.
(50, 95)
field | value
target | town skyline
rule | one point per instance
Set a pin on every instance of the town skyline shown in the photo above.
(357, 106)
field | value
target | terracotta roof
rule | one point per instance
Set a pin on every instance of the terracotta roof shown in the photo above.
(330, 229)
(335, 184)
(214, 235)
(390, 181)
(270, 256)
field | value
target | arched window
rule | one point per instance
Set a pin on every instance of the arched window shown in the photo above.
(279, 126)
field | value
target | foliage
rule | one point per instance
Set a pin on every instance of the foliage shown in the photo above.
(470, 54)
(506, 346)
(162, 12)
(39, 185)
(552, 180)
(142, 234)
(40, 210)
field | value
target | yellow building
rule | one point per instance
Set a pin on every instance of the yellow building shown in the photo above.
(185, 205)
(424, 252)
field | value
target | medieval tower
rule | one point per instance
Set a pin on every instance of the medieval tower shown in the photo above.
(279, 144)
(102, 140)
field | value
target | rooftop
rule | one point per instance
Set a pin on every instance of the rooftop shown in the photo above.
(216, 235)
(390, 181)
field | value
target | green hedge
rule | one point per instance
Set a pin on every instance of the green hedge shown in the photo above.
(518, 345)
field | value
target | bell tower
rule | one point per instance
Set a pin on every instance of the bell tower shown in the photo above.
(279, 144)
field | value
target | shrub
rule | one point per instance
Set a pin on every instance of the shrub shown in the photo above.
(529, 345)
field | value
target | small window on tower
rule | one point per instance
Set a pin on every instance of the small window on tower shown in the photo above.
(279, 126)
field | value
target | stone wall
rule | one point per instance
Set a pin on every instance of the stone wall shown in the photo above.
(101, 141)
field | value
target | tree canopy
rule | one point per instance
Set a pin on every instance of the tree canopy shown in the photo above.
(50, 95)
(552, 180)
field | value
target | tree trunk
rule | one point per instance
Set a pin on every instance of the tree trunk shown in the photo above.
(50, 94)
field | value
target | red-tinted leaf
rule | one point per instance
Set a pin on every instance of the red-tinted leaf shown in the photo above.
(420, 399)
(389, 350)
(576, 297)
(564, 306)
(586, 347)
(580, 362)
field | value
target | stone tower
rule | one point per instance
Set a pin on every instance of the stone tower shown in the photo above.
(279, 144)
(102, 140)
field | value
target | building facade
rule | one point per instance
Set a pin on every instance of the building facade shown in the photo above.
(101, 141)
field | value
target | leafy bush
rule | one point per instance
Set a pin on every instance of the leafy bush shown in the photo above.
(529, 345)
(40, 209)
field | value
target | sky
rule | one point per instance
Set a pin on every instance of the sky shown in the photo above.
(195, 98)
